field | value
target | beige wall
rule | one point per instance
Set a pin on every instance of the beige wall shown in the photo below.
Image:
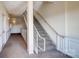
(54, 14)
(4, 21)
(4, 26)
(19, 21)
(73, 19)
(62, 16)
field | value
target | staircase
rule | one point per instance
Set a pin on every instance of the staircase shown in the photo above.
(42, 32)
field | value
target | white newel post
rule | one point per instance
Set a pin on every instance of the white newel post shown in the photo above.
(30, 27)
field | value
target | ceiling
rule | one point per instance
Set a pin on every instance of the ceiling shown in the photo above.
(37, 5)
(15, 7)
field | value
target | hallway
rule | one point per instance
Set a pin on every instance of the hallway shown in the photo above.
(16, 48)
(55, 34)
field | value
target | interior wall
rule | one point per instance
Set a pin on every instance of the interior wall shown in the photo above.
(4, 26)
(18, 25)
(18, 21)
(54, 15)
(73, 19)
(4, 21)
(64, 18)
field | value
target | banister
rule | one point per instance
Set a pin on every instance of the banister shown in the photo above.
(49, 25)
(38, 35)
(38, 32)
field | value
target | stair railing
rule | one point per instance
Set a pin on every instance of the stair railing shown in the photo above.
(38, 37)
(58, 36)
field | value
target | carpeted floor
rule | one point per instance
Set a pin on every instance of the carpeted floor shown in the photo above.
(17, 48)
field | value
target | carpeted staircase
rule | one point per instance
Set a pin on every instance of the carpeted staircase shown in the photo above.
(42, 32)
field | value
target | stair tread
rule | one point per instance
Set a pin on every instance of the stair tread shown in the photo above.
(43, 33)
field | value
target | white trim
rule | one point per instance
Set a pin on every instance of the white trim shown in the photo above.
(30, 27)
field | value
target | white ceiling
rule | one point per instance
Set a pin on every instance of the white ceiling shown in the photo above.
(37, 5)
(15, 7)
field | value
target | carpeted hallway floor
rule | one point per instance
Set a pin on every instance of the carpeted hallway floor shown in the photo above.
(17, 48)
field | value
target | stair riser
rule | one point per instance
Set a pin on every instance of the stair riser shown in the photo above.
(42, 32)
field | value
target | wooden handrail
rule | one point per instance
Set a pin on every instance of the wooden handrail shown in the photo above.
(49, 24)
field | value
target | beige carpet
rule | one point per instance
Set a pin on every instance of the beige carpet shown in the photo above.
(17, 48)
